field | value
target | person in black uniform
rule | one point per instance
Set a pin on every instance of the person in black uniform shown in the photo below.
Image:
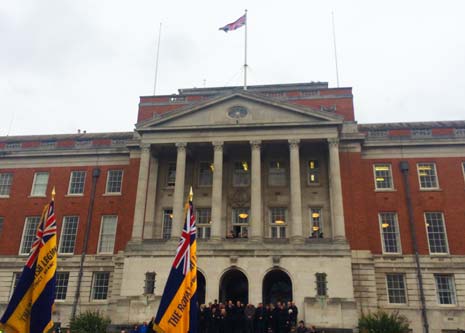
(260, 318)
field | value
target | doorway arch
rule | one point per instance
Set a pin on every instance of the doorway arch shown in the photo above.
(201, 287)
(234, 286)
(277, 286)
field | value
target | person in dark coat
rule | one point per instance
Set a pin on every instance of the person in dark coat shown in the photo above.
(202, 319)
(260, 319)
(294, 314)
(226, 322)
(270, 318)
(214, 321)
(249, 314)
(283, 319)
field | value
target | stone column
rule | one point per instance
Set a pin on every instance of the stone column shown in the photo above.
(256, 223)
(335, 190)
(178, 200)
(149, 224)
(141, 195)
(217, 191)
(295, 187)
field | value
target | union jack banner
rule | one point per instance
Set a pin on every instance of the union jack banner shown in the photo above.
(177, 311)
(241, 21)
(30, 307)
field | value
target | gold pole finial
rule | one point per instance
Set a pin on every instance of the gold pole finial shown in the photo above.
(53, 193)
(191, 194)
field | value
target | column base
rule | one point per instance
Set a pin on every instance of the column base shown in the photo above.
(214, 239)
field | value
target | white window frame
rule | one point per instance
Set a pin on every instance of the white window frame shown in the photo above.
(62, 286)
(34, 184)
(168, 179)
(120, 184)
(8, 185)
(242, 227)
(237, 174)
(316, 221)
(93, 290)
(209, 165)
(453, 291)
(424, 164)
(203, 229)
(165, 222)
(397, 232)
(66, 220)
(26, 223)
(102, 222)
(463, 169)
(83, 184)
(281, 228)
(404, 289)
(277, 176)
(317, 172)
(445, 234)
(375, 165)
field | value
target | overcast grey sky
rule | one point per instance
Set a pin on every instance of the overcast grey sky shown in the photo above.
(67, 64)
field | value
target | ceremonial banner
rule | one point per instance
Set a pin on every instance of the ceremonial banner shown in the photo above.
(177, 312)
(30, 307)
(241, 21)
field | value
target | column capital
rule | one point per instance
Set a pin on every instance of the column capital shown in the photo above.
(145, 147)
(217, 145)
(255, 144)
(181, 146)
(294, 143)
(333, 142)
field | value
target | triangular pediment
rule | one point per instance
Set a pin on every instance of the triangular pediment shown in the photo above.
(243, 108)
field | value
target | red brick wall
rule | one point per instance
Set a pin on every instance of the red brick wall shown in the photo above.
(362, 204)
(16, 208)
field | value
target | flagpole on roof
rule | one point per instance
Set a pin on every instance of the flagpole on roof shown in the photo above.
(245, 52)
(156, 62)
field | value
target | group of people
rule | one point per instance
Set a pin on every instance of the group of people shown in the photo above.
(239, 318)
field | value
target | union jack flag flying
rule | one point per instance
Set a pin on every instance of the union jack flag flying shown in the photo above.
(177, 312)
(30, 307)
(241, 21)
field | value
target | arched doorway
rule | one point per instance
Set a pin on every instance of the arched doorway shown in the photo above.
(277, 286)
(234, 286)
(200, 287)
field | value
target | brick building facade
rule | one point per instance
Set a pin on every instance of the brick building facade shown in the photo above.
(295, 200)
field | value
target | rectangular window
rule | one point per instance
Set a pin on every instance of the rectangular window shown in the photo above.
(114, 181)
(76, 182)
(171, 176)
(313, 172)
(167, 223)
(316, 223)
(427, 175)
(107, 234)
(2, 220)
(48, 144)
(61, 285)
(277, 174)
(204, 221)
(383, 177)
(6, 178)
(68, 234)
(241, 174)
(100, 283)
(396, 288)
(389, 232)
(321, 284)
(39, 184)
(205, 174)
(240, 223)
(422, 133)
(29, 233)
(149, 287)
(437, 237)
(278, 222)
(83, 143)
(445, 288)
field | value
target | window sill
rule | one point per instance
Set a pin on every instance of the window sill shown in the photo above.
(77, 195)
(4, 196)
(116, 194)
(65, 254)
(37, 196)
(385, 190)
(439, 255)
(433, 189)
